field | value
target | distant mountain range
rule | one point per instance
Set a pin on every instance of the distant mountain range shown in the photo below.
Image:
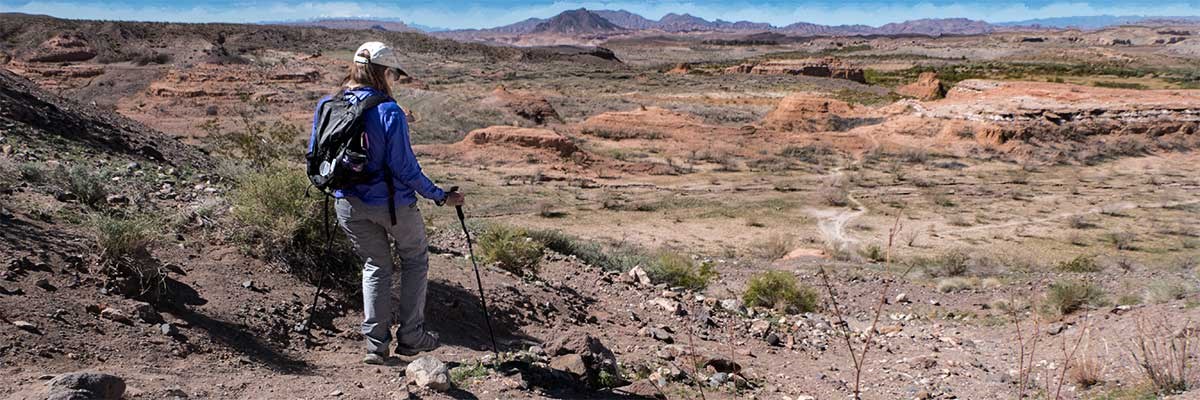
(1096, 21)
(589, 22)
(584, 22)
(386, 24)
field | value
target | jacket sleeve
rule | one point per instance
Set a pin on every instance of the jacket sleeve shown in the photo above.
(403, 162)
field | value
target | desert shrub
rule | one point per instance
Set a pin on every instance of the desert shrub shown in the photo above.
(1164, 290)
(258, 142)
(152, 58)
(31, 172)
(834, 194)
(617, 258)
(677, 270)
(1129, 299)
(953, 284)
(1080, 222)
(956, 262)
(511, 249)
(1065, 297)
(1121, 240)
(463, 375)
(774, 247)
(1081, 263)
(1087, 372)
(873, 252)
(914, 155)
(779, 290)
(1164, 356)
(1076, 239)
(124, 254)
(87, 186)
(810, 154)
(278, 222)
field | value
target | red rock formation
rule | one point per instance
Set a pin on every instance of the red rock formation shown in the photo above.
(927, 87)
(643, 123)
(827, 68)
(681, 69)
(807, 113)
(528, 106)
(532, 138)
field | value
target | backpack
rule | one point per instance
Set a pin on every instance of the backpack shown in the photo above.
(338, 155)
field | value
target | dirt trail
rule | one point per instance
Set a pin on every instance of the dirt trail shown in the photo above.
(832, 222)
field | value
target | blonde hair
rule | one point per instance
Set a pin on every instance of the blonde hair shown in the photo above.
(373, 75)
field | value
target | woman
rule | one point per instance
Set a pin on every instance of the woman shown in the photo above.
(363, 212)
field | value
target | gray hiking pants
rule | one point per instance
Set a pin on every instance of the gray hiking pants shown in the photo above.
(368, 227)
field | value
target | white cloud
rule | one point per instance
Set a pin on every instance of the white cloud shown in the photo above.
(488, 15)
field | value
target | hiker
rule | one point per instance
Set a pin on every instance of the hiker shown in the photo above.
(391, 173)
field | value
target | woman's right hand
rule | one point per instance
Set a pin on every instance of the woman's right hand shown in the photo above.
(455, 199)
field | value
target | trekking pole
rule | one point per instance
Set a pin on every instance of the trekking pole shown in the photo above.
(478, 281)
(312, 310)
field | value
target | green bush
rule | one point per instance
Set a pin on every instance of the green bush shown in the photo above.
(677, 270)
(511, 249)
(874, 253)
(1081, 263)
(591, 253)
(779, 290)
(31, 172)
(952, 263)
(774, 247)
(259, 143)
(87, 186)
(1121, 240)
(1163, 290)
(280, 223)
(1065, 297)
(124, 246)
(122, 238)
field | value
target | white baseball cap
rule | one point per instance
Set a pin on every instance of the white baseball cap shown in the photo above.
(379, 54)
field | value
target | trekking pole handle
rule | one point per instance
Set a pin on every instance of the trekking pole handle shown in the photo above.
(454, 189)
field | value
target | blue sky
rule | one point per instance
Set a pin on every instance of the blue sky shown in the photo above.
(489, 13)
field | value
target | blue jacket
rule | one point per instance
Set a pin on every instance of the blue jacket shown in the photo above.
(387, 146)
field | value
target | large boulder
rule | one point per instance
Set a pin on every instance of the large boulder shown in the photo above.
(87, 385)
(429, 372)
(927, 87)
(62, 48)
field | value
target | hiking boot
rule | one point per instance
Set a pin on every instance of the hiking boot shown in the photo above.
(374, 359)
(428, 341)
